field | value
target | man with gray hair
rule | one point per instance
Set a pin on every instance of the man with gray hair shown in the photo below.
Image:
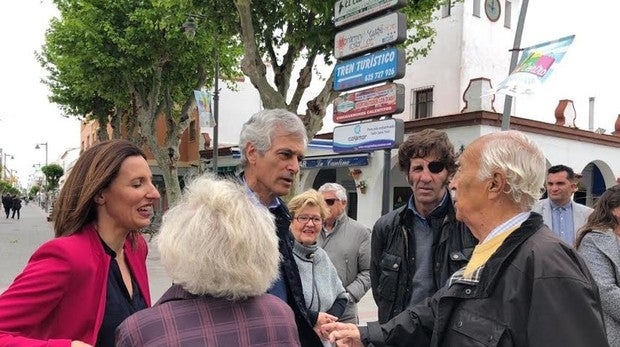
(522, 285)
(272, 144)
(347, 243)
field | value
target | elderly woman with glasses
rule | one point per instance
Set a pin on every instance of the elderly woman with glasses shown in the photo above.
(323, 291)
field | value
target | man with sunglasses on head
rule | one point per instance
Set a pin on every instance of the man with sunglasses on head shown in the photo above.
(417, 247)
(347, 243)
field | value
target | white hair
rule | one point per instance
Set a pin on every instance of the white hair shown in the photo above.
(217, 241)
(523, 163)
(339, 190)
(263, 126)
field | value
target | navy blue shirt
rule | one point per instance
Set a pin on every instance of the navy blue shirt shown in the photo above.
(118, 304)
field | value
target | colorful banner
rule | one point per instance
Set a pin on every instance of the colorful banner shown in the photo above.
(203, 101)
(536, 65)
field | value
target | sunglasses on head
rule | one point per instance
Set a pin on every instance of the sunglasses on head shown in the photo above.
(436, 166)
(330, 202)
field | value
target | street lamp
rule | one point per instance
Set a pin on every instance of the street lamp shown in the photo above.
(46, 182)
(189, 28)
(4, 169)
(42, 144)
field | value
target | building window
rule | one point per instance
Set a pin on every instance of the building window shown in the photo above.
(445, 8)
(507, 13)
(423, 107)
(477, 8)
(192, 131)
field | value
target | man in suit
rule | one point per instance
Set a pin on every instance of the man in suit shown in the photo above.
(564, 216)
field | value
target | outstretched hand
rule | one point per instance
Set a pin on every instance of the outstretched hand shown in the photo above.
(343, 334)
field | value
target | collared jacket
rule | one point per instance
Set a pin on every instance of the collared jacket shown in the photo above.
(203, 320)
(601, 252)
(348, 247)
(290, 272)
(533, 291)
(580, 214)
(60, 295)
(393, 255)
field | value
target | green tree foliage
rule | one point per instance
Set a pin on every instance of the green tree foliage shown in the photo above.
(128, 62)
(34, 190)
(52, 173)
(7, 188)
(289, 32)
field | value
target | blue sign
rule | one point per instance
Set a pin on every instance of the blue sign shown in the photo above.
(360, 160)
(387, 64)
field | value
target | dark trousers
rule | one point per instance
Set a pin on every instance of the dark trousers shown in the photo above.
(13, 215)
(7, 210)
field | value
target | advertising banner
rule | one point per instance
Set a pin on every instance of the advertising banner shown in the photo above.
(369, 136)
(348, 11)
(536, 65)
(386, 30)
(387, 64)
(203, 101)
(369, 103)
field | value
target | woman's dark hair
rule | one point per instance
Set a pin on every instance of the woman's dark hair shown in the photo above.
(602, 218)
(94, 170)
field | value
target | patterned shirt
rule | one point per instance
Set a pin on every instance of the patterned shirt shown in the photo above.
(562, 221)
(184, 319)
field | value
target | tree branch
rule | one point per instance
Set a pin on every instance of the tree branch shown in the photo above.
(252, 64)
(303, 82)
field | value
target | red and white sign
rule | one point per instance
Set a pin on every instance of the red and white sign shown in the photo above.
(386, 30)
(369, 103)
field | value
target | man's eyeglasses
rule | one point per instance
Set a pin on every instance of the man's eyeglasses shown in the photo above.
(330, 202)
(436, 166)
(306, 219)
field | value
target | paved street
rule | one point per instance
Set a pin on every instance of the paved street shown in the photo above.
(20, 238)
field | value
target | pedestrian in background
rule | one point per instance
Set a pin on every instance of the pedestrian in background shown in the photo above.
(7, 203)
(324, 294)
(563, 215)
(598, 243)
(347, 243)
(77, 288)
(272, 144)
(221, 251)
(16, 205)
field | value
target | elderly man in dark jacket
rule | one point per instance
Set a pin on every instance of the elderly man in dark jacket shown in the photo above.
(272, 144)
(416, 247)
(522, 285)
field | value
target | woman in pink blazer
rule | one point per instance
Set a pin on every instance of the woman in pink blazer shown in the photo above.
(77, 288)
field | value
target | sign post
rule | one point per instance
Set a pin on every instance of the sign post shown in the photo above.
(367, 46)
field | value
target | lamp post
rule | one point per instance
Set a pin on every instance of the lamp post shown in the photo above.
(189, 28)
(38, 147)
(4, 169)
(46, 183)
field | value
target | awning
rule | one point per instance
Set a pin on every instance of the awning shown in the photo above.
(336, 160)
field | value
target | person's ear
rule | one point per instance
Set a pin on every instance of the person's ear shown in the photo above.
(496, 183)
(99, 200)
(251, 152)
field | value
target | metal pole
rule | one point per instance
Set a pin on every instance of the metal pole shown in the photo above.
(46, 153)
(216, 109)
(513, 63)
(385, 201)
